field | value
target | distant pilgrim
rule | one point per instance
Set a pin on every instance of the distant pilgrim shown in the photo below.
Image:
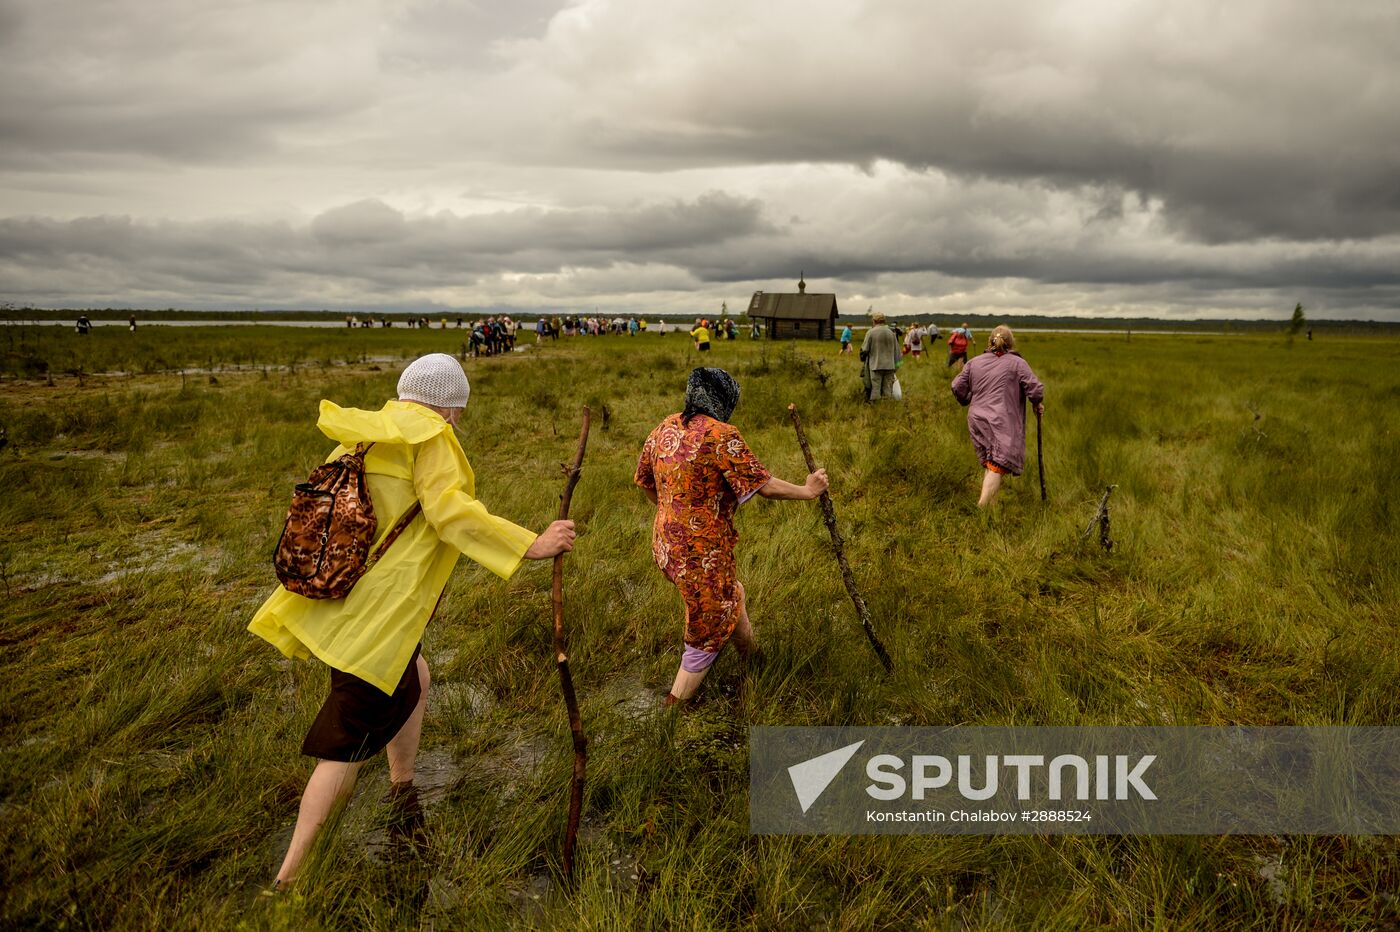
(796, 316)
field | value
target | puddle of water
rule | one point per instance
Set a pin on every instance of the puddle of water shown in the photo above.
(1275, 877)
(624, 871)
(642, 704)
(149, 558)
(512, 767)
(435, 774)
(162, 561)
(529, 896)
(633, 700)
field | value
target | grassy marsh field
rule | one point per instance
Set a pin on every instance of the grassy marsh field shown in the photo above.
(151, 774)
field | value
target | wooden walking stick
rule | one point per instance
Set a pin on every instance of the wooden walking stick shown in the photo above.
(561, 659)
(1039, 455)
(837, 544)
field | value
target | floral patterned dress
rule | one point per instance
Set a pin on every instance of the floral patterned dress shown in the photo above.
(700, 473)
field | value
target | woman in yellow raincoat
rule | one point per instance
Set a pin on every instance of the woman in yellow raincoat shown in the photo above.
(371, 638)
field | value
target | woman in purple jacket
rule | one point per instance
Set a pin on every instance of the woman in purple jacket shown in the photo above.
(995, 386)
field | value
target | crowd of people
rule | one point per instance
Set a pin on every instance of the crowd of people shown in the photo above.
(986, 385)
(492, 336)
(551, 328)
(695, 467)
(724, 329)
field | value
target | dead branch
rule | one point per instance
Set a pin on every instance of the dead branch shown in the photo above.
(561, 660)
(838, 545)
(1101, 519)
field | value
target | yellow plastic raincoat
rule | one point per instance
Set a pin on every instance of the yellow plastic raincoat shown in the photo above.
(372, 632)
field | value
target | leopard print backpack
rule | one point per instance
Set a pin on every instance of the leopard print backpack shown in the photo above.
(324, 547)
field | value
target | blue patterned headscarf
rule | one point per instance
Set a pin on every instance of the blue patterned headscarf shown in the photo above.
(712, 392)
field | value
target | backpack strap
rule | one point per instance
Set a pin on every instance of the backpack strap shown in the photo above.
(399, 527)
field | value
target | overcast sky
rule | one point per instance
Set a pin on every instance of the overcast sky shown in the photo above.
(1171, 158)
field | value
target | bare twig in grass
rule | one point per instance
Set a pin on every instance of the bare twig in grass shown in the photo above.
(1326, 649)
(838, 545)
(561, 659)
(818, 370)
(1258, 416)
(1101, 519)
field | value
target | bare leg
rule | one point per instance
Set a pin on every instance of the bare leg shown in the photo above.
(991, 485)
(686, 684)
(406, 824)
(743, 637)
(402, 749)
(331, 782)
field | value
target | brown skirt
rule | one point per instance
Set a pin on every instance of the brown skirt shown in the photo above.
(358, 720)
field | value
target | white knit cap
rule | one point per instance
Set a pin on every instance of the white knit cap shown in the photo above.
(436, 379)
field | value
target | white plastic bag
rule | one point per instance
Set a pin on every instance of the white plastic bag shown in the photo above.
(898, 392)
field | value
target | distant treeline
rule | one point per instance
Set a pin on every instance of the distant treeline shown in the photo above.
(985, 322)
(975, 321)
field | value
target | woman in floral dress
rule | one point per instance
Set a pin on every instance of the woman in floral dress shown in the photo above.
(698, 470)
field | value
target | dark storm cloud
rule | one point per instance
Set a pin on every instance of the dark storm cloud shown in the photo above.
(370, 251)
(1164, 154)
(1252, 119)
(378, 228)
(368, 243)
(170, 81)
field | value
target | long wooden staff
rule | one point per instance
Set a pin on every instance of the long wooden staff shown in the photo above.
(837, 544)
(1039, 455)
(561, 659)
